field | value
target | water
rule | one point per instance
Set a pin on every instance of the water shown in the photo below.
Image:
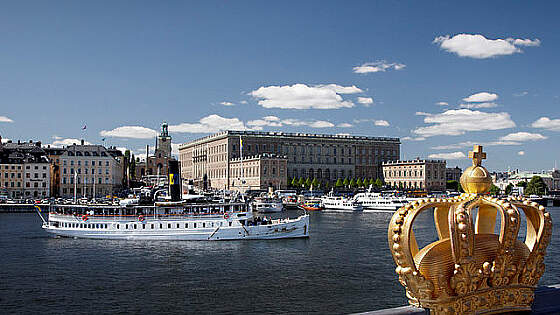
(344, 267)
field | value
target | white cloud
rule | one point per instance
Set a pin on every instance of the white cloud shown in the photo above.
(448, 156)
(479, 105)
(365, 100)
(521, 153)
(135, 132)
(175, 148)
(481, 97)
(479, 47)
(413, 138)
(458, 121)
(381, 123)
(340, 89)
(520, 94)
(442, 103)
(523, 136)
(313, 124)
(344, 125)
(271, 121)
(301, 96)
(547, 123)
(65, 142)
(209, 124)
(243, 102)
(4, 140)
(378, 66)
(225, 103)
(5, 119)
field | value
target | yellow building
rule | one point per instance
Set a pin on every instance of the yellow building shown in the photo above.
(415, 174)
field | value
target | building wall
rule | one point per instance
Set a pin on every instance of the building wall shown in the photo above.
(453, 173)
(325, 157)
(98, 165)
(36, 180)
(11, 180)
(258, 172)
(415, 174)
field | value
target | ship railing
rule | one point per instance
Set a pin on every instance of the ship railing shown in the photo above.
(139, 217)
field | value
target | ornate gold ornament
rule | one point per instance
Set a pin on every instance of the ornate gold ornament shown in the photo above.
(470, 269)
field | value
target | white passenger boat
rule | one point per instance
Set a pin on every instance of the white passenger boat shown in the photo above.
(331, 202)
(267, 205)
(377, 202)
(169, 221)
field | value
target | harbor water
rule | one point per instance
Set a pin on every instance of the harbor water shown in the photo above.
(344, 267)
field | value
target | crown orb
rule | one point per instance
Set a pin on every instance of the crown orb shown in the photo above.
(476, 180)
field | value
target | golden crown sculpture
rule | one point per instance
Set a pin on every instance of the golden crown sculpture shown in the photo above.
(471, 270)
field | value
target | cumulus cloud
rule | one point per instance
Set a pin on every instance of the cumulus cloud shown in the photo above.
(479, 47)
(523, 136)
(344, 125)
(442, 103)
(60, 142)
(301, 96)
(365, 100)
(448, 156)
(135, 132)
(547, 123)
(5, 119)
(378, 66)
(413, 138)
(520, 94)
(273, 121)
(521, 153)
(225, 103)
(377, 122)
(381, 123)
(243, 102)
(209, 124)
(481, 97)
(479, 105)
(458, 121)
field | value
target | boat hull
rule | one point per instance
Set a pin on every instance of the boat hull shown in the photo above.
(293, 228)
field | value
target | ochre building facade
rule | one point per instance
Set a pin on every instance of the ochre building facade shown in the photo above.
(415, 174)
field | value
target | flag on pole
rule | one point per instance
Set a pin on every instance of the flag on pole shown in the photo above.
(84, 127)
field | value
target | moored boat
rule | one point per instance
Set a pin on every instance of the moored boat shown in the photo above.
(169, 221)
(331, 202)
(311, 205)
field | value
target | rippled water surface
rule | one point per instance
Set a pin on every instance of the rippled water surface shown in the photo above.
(344, 267)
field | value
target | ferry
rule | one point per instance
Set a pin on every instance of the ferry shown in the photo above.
(331, 202)
(169, 221)
(267, 205)
(377, 202)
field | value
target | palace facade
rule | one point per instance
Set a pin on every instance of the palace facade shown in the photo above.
(210, 161)
(415, 174)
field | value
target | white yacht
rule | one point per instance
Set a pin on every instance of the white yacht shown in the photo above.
(267, 204)
(377, 202)
(169, 221)
(331, 202)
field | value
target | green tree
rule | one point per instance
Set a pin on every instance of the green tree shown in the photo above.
(461, 190)
(359, 182)
(327, 185)
(308, 182)
(346, 182)
(452, 185)
(509, 188)
(378, 183)
(536, 186)
(301, 182)
(339, 183)
(295, 182)
(353, 183)
(522, 184)
(315, 183)
(372, 182)
(494, 190)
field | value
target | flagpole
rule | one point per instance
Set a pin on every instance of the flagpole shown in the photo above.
(241, 156)
(75, 186)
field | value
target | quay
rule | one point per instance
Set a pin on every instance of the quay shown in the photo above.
(546, 302)
(18, 207)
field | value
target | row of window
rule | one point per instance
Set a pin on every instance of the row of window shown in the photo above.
(6, 167)
(70, 180)
(136, 226)
(86, 163)
(79, 171)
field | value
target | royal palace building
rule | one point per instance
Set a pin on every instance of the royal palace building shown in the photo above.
(219, 160)
(415, 174)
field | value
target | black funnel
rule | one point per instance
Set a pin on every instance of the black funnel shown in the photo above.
(174, 181)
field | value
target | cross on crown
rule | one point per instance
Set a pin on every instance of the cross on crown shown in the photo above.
(477, 155)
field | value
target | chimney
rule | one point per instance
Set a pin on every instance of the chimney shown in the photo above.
(82, 141)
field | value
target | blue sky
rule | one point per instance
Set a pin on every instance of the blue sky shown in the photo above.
(365, 68)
